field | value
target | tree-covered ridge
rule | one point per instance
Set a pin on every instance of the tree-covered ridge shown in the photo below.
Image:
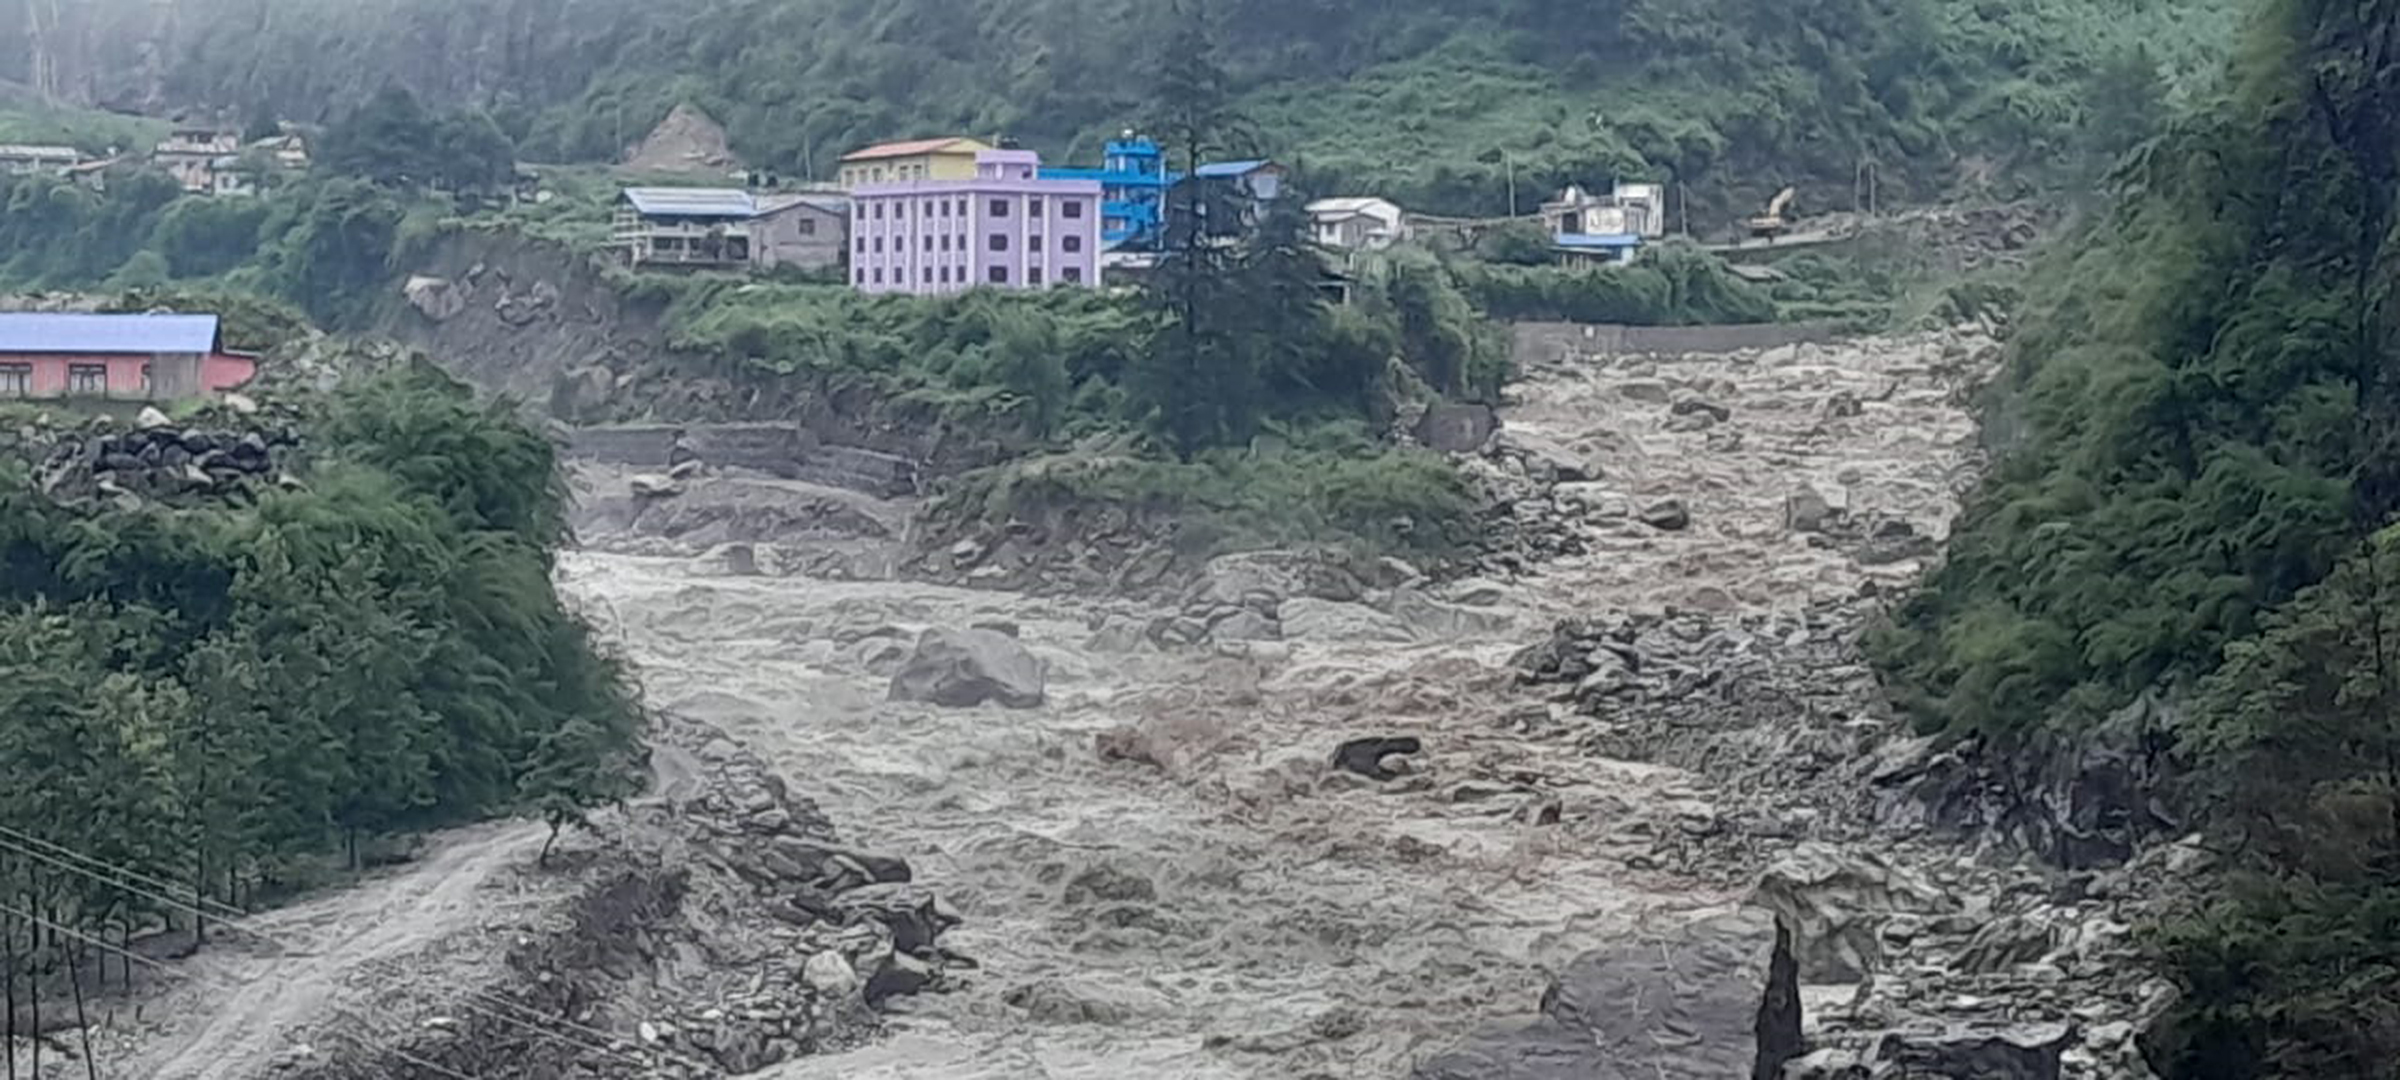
(1435, 102)
(2203, 390)
(2199, 497)
(226, 692)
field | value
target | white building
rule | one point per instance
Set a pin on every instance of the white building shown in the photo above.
(1361, 223)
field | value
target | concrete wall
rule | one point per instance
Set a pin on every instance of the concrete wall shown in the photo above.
(789, 451)
(1536, 342)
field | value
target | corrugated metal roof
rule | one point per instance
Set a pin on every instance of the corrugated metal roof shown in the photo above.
(77, 332)
(21, 150)
(692, 202)
(1231, 168)
(911, 148)
(831, 204)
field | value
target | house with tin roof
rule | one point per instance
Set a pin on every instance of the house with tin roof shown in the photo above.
(951, 158)
(131, 357)
(729, 228)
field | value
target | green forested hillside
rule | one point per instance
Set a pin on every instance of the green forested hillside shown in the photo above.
(1432, 101)
(2201, 500)
(225, 690)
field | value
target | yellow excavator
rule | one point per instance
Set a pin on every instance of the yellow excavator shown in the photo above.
(1771, 223)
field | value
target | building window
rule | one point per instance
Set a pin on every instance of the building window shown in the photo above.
(999, 241)
(927, 275)
(999, 207)
(87, 378)
(929, 243)
(1033, 208)
(879, 275)
(1033, 275)
(1072, 273)
(1033, 243)
(945, 241)
(929, 208)
(1071, 208)
(962, 207)
(859, 276)
(998, 275)
(16, 380)
(808, 226)
(945, 275)
(862, 244)
(1071, 243)
(945, 205)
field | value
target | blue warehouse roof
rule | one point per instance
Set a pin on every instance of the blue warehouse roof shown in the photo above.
(1597, 240)
(1231, 168)
(59, 332)
(692, 202)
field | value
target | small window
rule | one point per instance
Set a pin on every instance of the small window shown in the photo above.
(1033, 243)
(879, 211)
(16, 380)
(928, 275)
(999, 207)
(1071, 208)
(862, 245)
(1070, 243)
(859, 276)
(999, 241)
(879, 275)
(1033, 275)
(87, 378)
(929, 208)
(945, 241)
(945, 205)
(929, 243)
(962, 207)
(945, 275)
(1033, 208)
(879, 245)
(998, 275)
(808, 226)
(1072, 273)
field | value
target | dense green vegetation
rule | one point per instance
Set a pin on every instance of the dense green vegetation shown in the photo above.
(224, 693)
(1435, 102)
(2200, 499)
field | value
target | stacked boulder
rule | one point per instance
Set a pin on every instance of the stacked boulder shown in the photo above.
(160, 459)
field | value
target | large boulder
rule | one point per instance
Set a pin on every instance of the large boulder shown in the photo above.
(1716, 999)
(1456, 427)
(1836, 902)
(962, 668)
(2024, 1052)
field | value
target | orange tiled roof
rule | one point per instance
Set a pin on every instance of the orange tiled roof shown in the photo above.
(902, 149)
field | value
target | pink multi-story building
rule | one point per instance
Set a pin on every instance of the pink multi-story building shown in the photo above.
(1005, 228)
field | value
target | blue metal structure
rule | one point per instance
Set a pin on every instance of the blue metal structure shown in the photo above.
(1133, 193)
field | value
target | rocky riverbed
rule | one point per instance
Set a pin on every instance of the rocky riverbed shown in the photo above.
(1305, 817)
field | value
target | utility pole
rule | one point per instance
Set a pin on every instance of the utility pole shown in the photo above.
(1508, 161)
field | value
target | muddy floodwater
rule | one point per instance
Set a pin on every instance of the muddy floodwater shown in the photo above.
(1209, 899)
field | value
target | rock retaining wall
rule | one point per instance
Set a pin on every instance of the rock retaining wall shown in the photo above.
(1546, 341)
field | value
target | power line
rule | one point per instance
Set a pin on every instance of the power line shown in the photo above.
(233, 918)
(175, 973)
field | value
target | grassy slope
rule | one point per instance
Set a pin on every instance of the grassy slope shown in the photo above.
(1412, 97)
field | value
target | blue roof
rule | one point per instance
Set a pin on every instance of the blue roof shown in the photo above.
(56, 332)
(692, 202)
(1598, 240)
(1231, 168)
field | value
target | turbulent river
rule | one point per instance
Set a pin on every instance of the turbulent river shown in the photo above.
(1220, 903)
